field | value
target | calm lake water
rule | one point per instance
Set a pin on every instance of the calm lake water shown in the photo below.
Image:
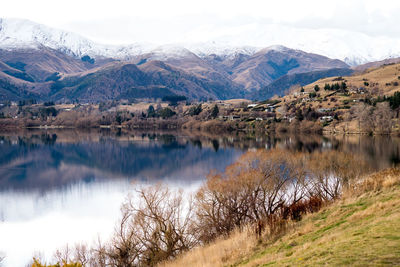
(65, 186)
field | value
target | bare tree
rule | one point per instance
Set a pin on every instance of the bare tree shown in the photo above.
(331, 171)
(264, 189)
(255, 188)
(155, 227)
(382, 117)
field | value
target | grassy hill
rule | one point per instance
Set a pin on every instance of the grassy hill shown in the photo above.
(361, 229)
(284, 83)
(385, 79)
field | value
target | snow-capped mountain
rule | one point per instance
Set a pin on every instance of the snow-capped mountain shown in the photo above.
(44, 63)
(351, 47)
(354, 48)
(19, 33)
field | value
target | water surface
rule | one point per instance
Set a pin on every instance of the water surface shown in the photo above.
(66, 186)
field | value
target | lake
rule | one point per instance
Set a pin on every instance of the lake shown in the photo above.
(67, 186)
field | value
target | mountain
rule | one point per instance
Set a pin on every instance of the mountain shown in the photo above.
(354, 48)
(281, 85)
(376, 64)
(50, 64)
(271, 63)
(25, 34)
(41, 63)
(125, 80)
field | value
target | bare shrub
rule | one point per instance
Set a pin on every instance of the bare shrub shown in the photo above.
(383, 118)
(263, 190)
(153, 228)
(255, 188)
(330, 171)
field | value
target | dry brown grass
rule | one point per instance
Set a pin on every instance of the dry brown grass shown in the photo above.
(374, 182)
(223, 251)
(378, 76)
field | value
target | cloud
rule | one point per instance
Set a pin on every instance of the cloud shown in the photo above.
(160, 21)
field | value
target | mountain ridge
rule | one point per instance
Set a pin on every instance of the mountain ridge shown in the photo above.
(352, 48)
(51, 64)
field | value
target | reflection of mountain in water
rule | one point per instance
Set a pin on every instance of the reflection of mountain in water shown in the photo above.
(49, 160)
(25, 165)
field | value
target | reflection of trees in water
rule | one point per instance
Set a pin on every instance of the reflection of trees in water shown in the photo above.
(28, 165)
(215, 144)
(55, 158)
(380, 151)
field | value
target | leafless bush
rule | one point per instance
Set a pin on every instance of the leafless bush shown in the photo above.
(155, 227)
(255, 188)
(330, 171)
(264, 189)
(383, 118)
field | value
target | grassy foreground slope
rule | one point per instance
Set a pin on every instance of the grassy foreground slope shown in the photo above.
(361, 229)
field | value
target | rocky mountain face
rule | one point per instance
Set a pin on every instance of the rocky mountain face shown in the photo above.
(47, 64)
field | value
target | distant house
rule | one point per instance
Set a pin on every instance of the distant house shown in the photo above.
(270, 109)
(234, 117)
(252, 105)
(326, 119)
(230, 118)
(359, 90)
(323, 110)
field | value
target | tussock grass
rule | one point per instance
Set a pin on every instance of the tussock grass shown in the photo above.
(361, 229)
(226, 249)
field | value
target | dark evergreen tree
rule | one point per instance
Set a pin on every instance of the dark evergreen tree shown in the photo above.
(215, 111)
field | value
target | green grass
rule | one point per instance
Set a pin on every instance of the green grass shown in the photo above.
(363, 231)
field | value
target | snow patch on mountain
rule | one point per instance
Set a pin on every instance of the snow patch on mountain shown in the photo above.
(171, 51)
(352, 47)
(223, 49)
(20, 34)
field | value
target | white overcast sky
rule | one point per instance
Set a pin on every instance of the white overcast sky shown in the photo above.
(169, 21)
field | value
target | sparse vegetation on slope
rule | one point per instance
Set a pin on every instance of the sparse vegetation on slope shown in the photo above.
(361, 229)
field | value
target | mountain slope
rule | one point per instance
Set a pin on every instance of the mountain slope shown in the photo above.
(359, 230)
(382, 80)
(25, 34)
(124, 80)
(13, 89)
(273, 62)
(284, 83)
(190, 63)
(376, 64)
(35, 57)
(43, 62)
